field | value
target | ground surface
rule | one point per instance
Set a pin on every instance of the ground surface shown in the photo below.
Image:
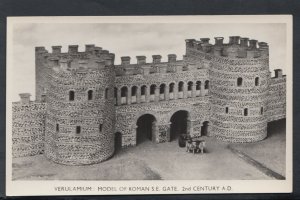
(271, 151)
(149, 161)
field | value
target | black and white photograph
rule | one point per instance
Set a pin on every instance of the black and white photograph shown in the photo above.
(149, 105)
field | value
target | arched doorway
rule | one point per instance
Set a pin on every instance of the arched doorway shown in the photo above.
(118, 142)
(179, 124)
(204, 128)
(146, 125)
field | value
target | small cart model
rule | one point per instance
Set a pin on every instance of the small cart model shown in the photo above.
(195, 145)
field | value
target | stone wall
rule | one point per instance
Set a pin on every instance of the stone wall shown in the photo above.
(160, 89)
(80, 112)
(277, 98)
(226, 89)
(45, 61)
(28, 128)
(41, 71)
(127, 115)
(239, 75)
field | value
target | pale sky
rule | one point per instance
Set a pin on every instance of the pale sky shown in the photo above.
(130, 40)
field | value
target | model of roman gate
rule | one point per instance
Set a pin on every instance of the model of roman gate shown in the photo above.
(86, 106)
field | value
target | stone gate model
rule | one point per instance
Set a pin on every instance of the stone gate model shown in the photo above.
(84, 102)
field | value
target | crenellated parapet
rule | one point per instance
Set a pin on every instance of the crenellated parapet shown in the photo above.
(83, 98)
(28, 126)
(93, 58)
(239, 78)
(277, 96)
(141, 67)
(237, 47)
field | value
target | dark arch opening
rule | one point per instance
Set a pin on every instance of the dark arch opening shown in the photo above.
(146, 125)
(118, 142)
(171, 87)
(124, 91)
(190, 85)
(204, 128)
(162, 88)
(152, 89)
(198, 85)
(180, 86)
(133, 90)
(206, 85)
(179, 124)
(143, 90)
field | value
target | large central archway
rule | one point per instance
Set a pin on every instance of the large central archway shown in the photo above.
(146, 125)
(179, 124)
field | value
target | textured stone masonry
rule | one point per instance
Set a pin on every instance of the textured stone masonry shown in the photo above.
(83, 99)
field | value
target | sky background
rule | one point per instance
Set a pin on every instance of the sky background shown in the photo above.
(130, 40)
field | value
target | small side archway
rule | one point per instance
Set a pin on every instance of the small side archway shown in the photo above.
(145, 128)
(204, 128)
(118, 142)
(180, 122)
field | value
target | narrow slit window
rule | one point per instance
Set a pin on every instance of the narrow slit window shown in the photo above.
(78, 129)
(71, 95)
(256, 81)
(261, 110)
(100, 127)
(57, 127)
(246, 112)
(90, 94)
(239, 81)
(226, 110)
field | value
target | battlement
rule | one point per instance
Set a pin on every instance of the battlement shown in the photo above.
(141, 60)
(237, 47)
(25, 98)
(90, 49)
(278, 74)
(145, 68)
(81, 66)
(93, 58)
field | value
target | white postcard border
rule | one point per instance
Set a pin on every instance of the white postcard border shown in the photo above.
(29, 188)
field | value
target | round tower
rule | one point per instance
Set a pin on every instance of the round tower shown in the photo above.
(239, 77)
(80, 109)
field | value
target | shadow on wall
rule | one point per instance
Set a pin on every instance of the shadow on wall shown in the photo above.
(276, 127)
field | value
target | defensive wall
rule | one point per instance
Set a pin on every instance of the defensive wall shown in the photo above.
(28, 127)
(84, 98)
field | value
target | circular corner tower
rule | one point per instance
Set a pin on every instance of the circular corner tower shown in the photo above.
(80, 109)
(239, 87)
